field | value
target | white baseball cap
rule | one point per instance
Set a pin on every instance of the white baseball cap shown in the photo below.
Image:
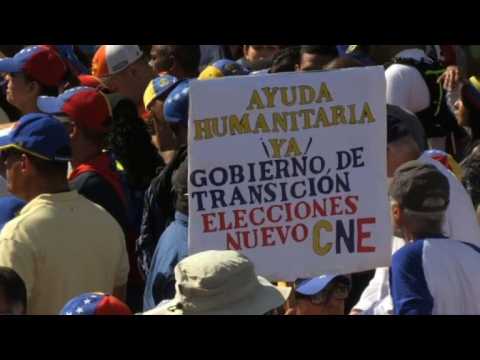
(111, 59)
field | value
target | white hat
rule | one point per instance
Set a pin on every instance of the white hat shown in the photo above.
(111, 59)
(220, 283)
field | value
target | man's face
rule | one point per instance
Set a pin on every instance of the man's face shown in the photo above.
(158, 59)
(132, 81)
(255, 53)
(310, 62)
(331, 301)
(20, 91)
(13, 162)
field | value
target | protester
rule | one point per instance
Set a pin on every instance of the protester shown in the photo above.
(471, 180)
(221, 283)
(154, 99)
(257, 57)
(171, 248)
(286, 60)
(56, 267)
(124, 69)
(13, 294)
(431, 274)
(180, 61)
(159, 208)
(96, 304)
(322, 295)
(221, 68)
(32, 72)
(315, 57)
(460, 222)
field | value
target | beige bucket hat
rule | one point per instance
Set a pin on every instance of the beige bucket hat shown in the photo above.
(220, 283)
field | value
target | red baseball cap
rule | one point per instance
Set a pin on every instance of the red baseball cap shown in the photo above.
(83, 105)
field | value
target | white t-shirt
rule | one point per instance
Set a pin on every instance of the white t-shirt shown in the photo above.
(405, 85)
(460, 224)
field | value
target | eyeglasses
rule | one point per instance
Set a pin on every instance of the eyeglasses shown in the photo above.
(337, 291)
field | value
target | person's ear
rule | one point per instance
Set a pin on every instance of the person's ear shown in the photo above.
(245, 50)
(397, 215)
(34, 88)
(25, 164)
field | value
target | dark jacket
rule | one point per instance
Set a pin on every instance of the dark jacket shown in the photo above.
(158, 211)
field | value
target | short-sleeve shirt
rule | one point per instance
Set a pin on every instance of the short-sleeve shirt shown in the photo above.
(63, 245)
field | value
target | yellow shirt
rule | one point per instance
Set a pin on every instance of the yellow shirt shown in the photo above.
(63, 245)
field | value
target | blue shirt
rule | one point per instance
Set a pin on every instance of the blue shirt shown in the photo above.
(436, 277)
(10, 206)
(170, 250)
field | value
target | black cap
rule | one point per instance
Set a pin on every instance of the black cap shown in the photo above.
(420, 187)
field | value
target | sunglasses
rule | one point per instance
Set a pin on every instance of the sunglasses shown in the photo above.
(336, 291)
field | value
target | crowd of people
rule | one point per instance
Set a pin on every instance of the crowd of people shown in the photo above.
(94, 183)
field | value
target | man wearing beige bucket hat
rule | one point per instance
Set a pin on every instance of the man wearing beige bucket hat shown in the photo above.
(221, 283)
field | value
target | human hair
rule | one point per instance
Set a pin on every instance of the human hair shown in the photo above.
(286, 60)
(471, 178)
(187, 57)
(44, 89)
(13, 288)
(419, 222)
(131, 143)
(325, 50)
(343, 62)
(405, 146)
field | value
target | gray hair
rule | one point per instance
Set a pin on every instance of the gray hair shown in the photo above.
(422, 222)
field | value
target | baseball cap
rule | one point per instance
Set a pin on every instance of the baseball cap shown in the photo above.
(67, 53)
(89, 80)
(83, 105)
(161, 86)
(95, 304)
(317, 284)
(221, 68)
(420, 187)
(40, 135)
(176, 105)
(40, 63)
(111, 59)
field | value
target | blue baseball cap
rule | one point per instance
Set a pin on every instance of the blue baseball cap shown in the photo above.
(41, 63)
(95, 304)
(221, 68)
(176, 105)
(40, 135)
(161, 86)
(315, 285)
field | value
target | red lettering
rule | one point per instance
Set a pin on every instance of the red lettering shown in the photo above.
(307, 210)
(223, 226)
(288, 207)
(246, 239)
(232, 243)
(283, 235)
(240, 222)
(351, 202)
(318, 209)
(295, 234)
(207, 223)
(364, 235)
(252, 216)
(267, 234)
(270, 215)
(335, 205)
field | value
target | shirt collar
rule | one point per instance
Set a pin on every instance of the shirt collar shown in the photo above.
(181, 217)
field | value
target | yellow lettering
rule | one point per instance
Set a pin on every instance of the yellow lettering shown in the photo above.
(307, 94)
(215, 127)
(239, 126)
(324, 94)
(280, 120)
(293, 149)
(270, 94)
(261, 124)
(203, 130)
(353, 115)
(367, 113)
(255, 101)
(317, 246)
(284, 96)
(338, 115)
(307, 120)
(276, 145)
(321, 119)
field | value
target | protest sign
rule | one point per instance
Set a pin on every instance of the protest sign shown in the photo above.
(290, 169)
